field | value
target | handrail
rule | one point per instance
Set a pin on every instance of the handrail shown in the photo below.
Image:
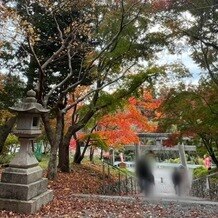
(121, 170)
(126, 185)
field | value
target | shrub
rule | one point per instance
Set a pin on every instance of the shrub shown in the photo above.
(171, 160)
(200, 171)
(5, 159)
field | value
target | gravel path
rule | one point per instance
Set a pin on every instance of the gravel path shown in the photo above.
(112, 207)
(76, 206)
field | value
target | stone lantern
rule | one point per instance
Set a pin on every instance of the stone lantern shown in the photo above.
(22, 187)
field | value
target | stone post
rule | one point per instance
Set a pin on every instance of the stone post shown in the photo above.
(137, 151)
(182, 154)
(187, 182)
(113, 157)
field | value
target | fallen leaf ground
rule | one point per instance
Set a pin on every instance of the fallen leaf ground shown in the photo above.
(88, 179)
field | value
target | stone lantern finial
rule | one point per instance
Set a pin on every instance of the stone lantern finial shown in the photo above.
(31, 93)
(29, 105)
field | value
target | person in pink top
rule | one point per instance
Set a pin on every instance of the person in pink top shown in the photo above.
(207, 162)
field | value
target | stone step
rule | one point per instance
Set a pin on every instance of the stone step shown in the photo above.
(22, 191)
(136, 198)
(27, 207)
(21, 176)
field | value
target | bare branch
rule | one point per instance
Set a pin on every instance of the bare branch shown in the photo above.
(41, 71)
(122, 26)
(194, 36)
(212, 75)
(73, 86)
(58, 52)
(34, 54)
(92, 91)
(46, 98)
(59, 30)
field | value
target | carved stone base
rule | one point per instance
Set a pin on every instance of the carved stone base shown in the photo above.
(21, 176)
(23, 190)
(27, 207)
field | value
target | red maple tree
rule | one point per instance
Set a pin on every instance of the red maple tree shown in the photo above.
(138, 115)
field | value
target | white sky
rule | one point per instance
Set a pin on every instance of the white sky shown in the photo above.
(185, 59)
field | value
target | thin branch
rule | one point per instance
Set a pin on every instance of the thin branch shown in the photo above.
(88, 140)
(63, 81)
(34, 55)
(113, 40)
(92, 91)
(192, 35)
(73, 86)
(59, 30)
(58, 52)
(206, 102)
(120, 97)
(212, 75)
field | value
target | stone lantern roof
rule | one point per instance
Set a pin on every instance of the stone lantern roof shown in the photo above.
(29, 105)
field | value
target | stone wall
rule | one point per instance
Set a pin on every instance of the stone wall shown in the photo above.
(205, 187)
(123, 187)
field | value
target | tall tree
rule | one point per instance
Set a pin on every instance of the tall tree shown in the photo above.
(193, 112)
(68, 44)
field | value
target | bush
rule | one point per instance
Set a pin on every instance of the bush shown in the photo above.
(171, 160)
(44, 161)
(200, 171)
(200, 161)
(11, 145)
(5, 159)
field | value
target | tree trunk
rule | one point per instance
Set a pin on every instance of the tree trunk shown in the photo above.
(5, 130)
(54, 139)
(63, 153)
(208, 145)
(64, 160)
(91, 155)
(214, 159)
(78, 160)
(52, 164)
(77, 155)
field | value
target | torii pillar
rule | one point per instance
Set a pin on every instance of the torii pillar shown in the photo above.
(182, 155)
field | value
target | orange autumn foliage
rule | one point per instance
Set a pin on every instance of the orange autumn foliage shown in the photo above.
(138, 115)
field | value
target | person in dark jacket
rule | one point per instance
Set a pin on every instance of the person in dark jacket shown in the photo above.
(177, 180)
(145, 176)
